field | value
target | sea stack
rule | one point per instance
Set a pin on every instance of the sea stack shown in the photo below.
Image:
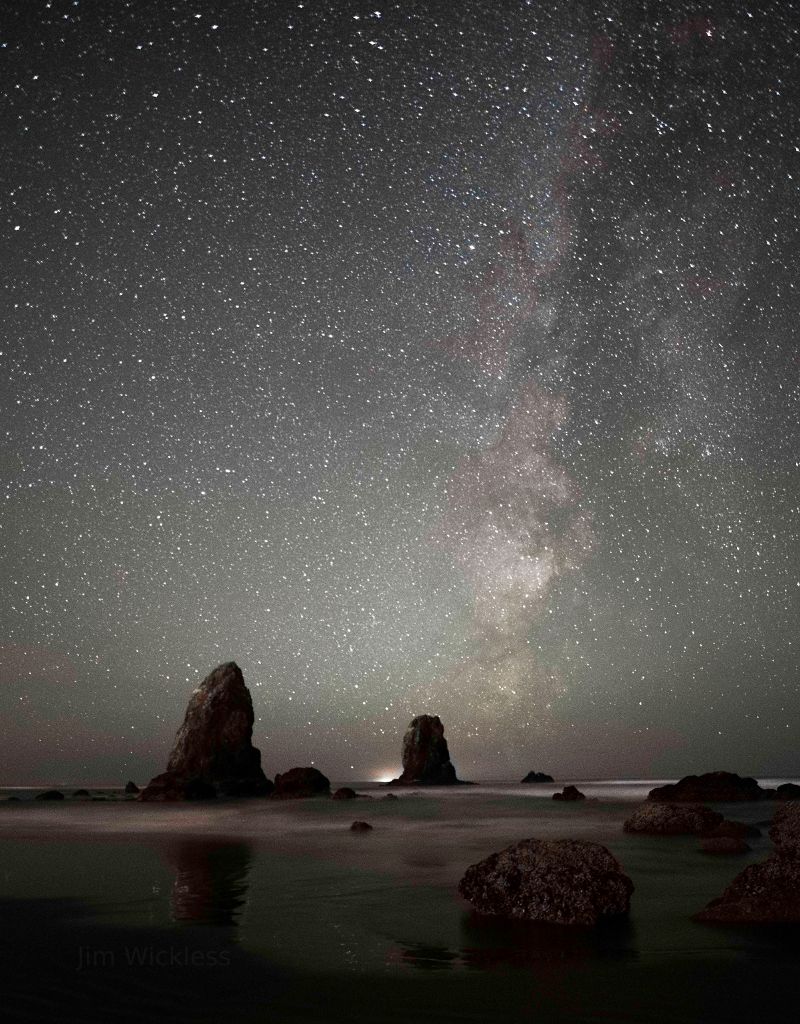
(426, 759)
(213, 754)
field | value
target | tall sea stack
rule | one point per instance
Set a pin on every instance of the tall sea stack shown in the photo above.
(426, 759)
(213, 752)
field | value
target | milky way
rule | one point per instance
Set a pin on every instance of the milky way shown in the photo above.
(427, 357)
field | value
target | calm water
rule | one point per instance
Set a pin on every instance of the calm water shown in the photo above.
(273, 912)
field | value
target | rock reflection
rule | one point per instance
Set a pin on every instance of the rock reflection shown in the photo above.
(210, 884)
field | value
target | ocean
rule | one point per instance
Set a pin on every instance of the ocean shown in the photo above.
(275, 911)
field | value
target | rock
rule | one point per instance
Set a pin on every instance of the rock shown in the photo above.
(361, 826)
(50, 794)
(785, 830)
(426, 759)
(213, 752)
(533, 777)
(723, 845)
(717, 787)
(766, 893)
(299, 783)
(788, 791)
(345, 793)
(569, 793)
(672, 820)
(561, 881)
(131, 787)
(733, 830)
(81, 793)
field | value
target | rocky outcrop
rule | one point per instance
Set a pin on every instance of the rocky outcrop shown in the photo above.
(299, 783)
(50, 794)
(361, 826)
(344, 793)
(672, 820)
(213, 754)
(561, 881)
(569, 793)
(766, 893)
(426, 759)
(131, 788)
(788, 791)
(713, 787)
(81, 794)
(536, 777)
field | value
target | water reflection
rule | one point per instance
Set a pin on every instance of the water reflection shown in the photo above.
(211, 880)
(488, 943)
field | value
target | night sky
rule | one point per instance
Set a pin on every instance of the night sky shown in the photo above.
(423, 357)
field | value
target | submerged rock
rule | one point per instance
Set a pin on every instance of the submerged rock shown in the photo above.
(713, 787)
(345, 793)
(50, 794)
(723, 845)
(391, 796)
(213, 752)
(534, 777)
(569, 793)
(361, 826)
(299, 783)
(426, 759)
(734, 830)
(672, 820)
(561, 881)
(131, 787)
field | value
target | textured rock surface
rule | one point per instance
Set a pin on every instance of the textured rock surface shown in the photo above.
(426, 759)
(569, 793)
(563, 881)
(785, 829)
(299, 783)
(767, 893)
(723, 845)
(537, 777)
(719, 787)
(672, 819)
(213, 752)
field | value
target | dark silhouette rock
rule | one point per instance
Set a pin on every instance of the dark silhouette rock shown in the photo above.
(81, 793)
(733, 830)
(723, 845)
(299, 783)
(533, 777)
(213, 752)
(50, 794)
(426, 759)
(569, 793)
(672, 820)
(562, 881)
(766, 893)
(713, 787)
(131, 787)
(788, 791)
(345, 793)
(361, 826)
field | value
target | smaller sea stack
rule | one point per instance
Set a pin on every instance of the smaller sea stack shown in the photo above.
(426, 759)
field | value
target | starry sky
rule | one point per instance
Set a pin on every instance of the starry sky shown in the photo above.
(420, 357)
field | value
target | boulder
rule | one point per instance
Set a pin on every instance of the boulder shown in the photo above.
(81, 794)
(560, 881)
(672, 820)
(569, 793)
(213, 752)
(344, 793)
(426, 759)
(50, 794)
(299, 783)
(361, 826)
(785, 830)
(534, 777)
(766, 893)
(723, 845)
(788, 791)
(713, 787)
(131, 787)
